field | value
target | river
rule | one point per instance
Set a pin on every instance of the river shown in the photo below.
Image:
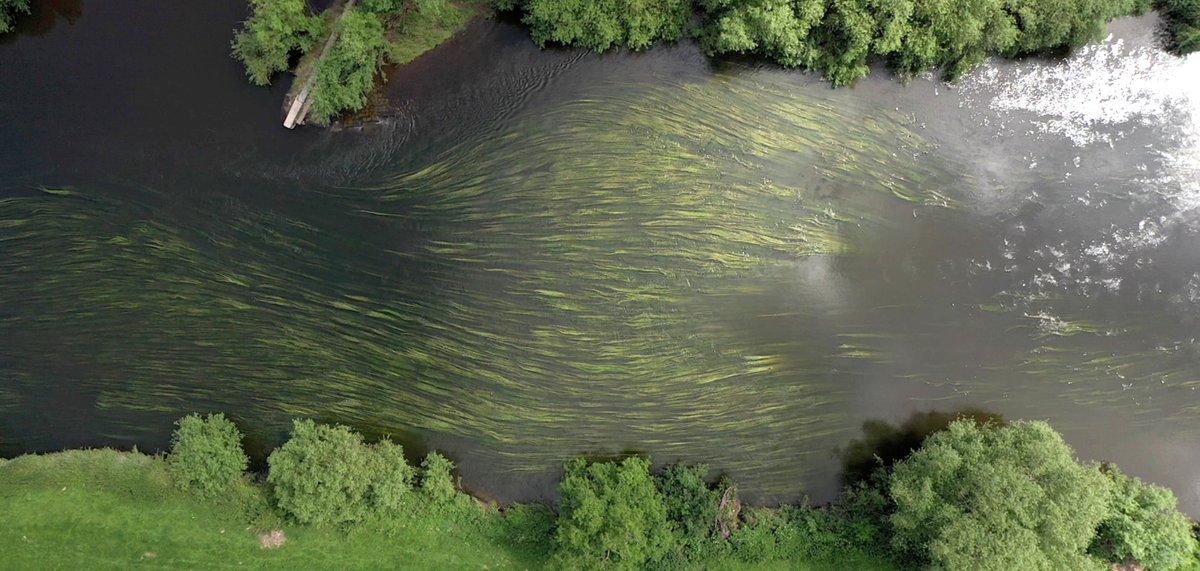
(538, 254)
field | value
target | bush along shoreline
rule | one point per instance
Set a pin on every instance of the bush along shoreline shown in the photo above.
(978, 495)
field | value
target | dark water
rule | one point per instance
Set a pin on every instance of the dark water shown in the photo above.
(537, 254)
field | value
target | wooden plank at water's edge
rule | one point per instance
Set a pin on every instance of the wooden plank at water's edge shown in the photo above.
(300, 104)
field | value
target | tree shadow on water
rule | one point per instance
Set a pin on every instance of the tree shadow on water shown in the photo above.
(883, 444)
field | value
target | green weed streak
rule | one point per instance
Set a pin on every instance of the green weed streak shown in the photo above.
(567, 297)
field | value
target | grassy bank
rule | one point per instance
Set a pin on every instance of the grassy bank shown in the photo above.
(975, 494)
(103, 509)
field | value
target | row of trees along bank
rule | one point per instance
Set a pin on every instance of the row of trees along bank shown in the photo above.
(977, 494)
(839, 37)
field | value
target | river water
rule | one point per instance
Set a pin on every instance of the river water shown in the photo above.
(539, 254)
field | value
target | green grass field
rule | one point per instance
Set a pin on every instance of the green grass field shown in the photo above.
(102, 509)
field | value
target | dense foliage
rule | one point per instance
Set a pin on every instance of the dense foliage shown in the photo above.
(7, 9)
(1183, 24)
(436, 480)
(321, 474)
(1144, 525)
(839, 37)
(327, 475)
(998, 498)
(692, 505)
(602, 24)
(975, 495)
(372, 33)
(611, 514)
(347, 73)
(206, 454)
(275, 29)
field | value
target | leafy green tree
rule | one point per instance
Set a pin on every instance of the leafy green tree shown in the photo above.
(326, 474)
(274, 30)
(7, 9)
(1001, 498)
(846, 36)
(437, 483)
(322, 474)
(602, 24)
(391, 478)
(1144, 525)
(611, 515)
(779, 29)
(347, 73)
(382, 7)
(691, 504)
(206, 454)
(1182, 24)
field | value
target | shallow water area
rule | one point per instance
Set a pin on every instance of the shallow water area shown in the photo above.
(537, 254)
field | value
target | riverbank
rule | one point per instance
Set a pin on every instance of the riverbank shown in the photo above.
(972, 493)
(343, 48)
(104, 509)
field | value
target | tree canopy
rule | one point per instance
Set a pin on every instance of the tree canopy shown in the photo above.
(274, 30)
(1144, 525)
(840, 37)
(7, 9)
(998, 498)
(611, 514)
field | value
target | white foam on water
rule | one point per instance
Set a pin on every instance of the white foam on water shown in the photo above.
(1099, 94)
(1097, 97)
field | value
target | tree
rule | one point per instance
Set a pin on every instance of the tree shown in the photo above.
(391, 479)
(1144, 525)
(1000, 498)
(611, 514)
(779, 29)
(206, 454)
(436, 481)
(7, 9)
(326, 474)
(1182, 24)
(274, 30)
(602, 24)
(691, 504)
(322, 474)
(347, 73)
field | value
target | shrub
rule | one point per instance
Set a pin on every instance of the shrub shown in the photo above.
(998, 498)
(530, 527)
(691, 504)
(206, 454)
(766, 535)
(1144, 525)
(274, 30)
(436, 481)
(7, 8)
(391, 478)
(610, 514)
(1182, 21)
(326, 474)
(322, 474)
